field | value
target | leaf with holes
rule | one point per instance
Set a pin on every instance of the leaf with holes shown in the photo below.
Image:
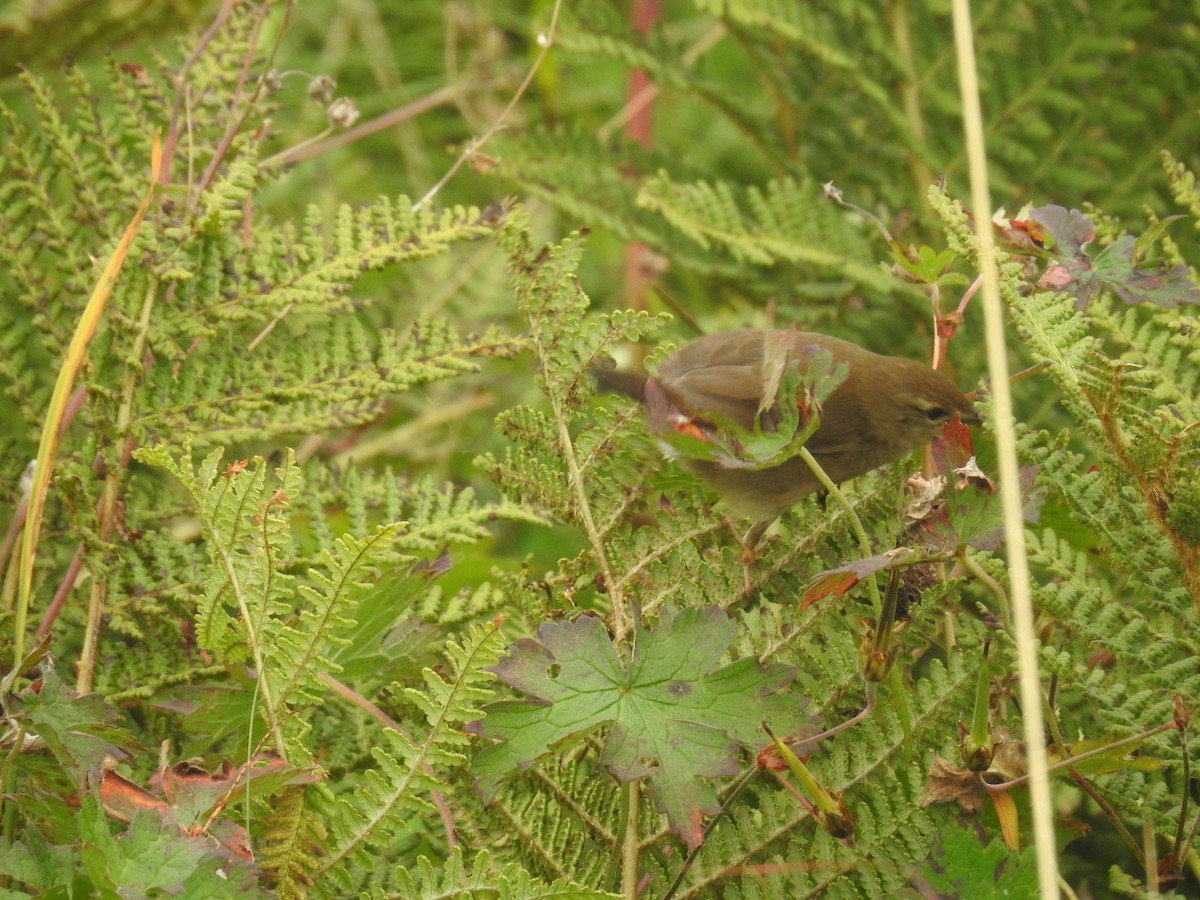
(674, 717)
(1119, 266)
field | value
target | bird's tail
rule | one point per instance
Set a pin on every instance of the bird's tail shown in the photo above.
(621, 381)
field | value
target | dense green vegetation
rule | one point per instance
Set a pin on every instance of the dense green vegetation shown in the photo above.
(347, 582)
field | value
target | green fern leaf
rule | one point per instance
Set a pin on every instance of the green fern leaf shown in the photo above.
(406, 767)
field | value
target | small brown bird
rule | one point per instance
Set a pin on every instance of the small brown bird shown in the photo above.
(884, 408)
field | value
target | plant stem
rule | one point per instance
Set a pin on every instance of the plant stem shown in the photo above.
(864, 545)
(76, 353)
(545, 41)
(1010, 488)
(630, 846)
(108, 510)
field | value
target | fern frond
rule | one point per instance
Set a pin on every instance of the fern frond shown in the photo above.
(563, 821)
(567, 344)
(371, 238)
(509, 883)
(431, 517)
(248, 540)
(1182, 182)
(750, 849)
(406, 767)
(294, 649)
(335, 379)
(787, 222)
(292, 842)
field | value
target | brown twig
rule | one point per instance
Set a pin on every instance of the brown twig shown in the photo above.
(389, 119)
(545, 41)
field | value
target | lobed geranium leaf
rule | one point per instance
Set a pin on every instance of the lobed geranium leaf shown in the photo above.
(674, 717)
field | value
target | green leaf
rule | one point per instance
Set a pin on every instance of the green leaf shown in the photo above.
(1116, 267)
(965, 869)
(675, 718)
(925, 265)
(1071, 230)
(79, 731)
(36, 863)
(1150, 237)
(973, 513)
(154, 859)
(387, 642)
(840, 579)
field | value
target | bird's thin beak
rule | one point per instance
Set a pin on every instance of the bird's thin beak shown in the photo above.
(971, 417)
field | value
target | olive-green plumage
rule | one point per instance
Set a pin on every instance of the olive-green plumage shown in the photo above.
(886, 407)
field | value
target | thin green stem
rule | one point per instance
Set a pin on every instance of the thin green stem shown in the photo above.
(739, 786)
(980, 573)
(864, 545)
(8, 809)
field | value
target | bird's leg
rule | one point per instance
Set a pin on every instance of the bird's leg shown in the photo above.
(754, 535)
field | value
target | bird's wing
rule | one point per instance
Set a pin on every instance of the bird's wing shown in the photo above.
(730, 393)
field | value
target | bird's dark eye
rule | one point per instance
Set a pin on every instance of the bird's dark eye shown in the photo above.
(937, 414)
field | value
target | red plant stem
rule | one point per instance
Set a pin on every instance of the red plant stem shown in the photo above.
(639, 129)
